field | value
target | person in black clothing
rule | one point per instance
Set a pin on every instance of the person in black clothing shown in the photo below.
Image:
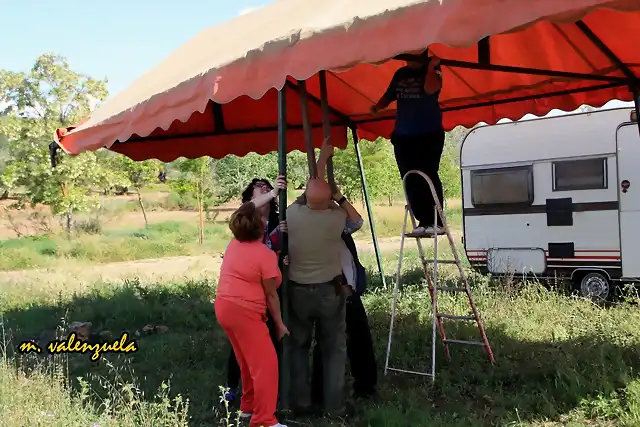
(418, 136)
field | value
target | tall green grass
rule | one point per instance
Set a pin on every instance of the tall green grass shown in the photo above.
(158, 240)
(561, 360)
(93, 244)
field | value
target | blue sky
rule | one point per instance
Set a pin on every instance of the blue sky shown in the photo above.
(117, 39)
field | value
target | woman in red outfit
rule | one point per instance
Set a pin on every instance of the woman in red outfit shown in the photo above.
(249, 279)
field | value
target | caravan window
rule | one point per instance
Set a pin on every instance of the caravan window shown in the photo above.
(585, 174)
(502, 186)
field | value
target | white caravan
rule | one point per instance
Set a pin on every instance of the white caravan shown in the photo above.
(555, 197)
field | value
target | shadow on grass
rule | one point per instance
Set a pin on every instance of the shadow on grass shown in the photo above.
(531, 380)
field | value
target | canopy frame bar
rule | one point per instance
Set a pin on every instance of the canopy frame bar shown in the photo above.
(326, 125)
(228, 132)
(218, 117)
(342, 121)
(634, 82)
(367, 201)
(347, 121)
(529, 71)
(597, 41)
(285, 379)
(306, 126)
(484, 51)
(508, 100)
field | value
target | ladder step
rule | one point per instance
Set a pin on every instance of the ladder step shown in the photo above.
(447, 289)
(423, 235)
(426, 374)
(440, 261)
(455, 317)
(463, 342)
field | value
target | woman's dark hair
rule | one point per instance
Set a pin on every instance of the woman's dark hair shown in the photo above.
(246, 223)
(247, 194)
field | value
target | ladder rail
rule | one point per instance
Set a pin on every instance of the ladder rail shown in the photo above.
(434, 304)
(440, 213)
(395, 292)
(432, 279)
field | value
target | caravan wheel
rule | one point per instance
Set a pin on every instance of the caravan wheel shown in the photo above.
(595, 286)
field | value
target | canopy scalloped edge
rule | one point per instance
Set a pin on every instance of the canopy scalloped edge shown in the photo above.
(181, 101)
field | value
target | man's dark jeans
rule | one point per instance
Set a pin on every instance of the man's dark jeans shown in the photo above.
(317, 305)
(423, 153)
(362, 359)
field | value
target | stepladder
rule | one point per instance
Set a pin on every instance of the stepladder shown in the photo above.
(431, 266)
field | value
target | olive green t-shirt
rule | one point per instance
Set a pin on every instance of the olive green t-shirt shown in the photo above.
(314, 243)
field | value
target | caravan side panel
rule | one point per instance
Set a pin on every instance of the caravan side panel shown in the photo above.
(560, 198)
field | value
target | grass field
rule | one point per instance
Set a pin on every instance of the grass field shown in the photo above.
(561, 361)
(120, 235)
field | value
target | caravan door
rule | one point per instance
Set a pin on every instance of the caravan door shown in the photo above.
(628, 141)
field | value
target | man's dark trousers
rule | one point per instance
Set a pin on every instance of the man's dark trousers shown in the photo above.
(360, 352)
(423, 153)
(317, 306)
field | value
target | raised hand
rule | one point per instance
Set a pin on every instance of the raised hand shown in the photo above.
(281, 183)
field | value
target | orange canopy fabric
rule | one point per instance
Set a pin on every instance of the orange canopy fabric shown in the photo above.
(217, 95)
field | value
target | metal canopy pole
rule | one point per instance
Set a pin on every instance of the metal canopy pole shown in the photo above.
(306, 126)
(383, 118)
(326, 123)
(633, 80)
(365, 193)
(284, 250)
(512, 69)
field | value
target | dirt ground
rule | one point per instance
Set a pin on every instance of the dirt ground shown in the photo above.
(76, 276)
(12, 220)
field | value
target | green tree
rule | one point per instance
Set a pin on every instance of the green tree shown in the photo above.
(381, 170)
(49, 96)
(233, 173)
(137, 176)
(196, 179)
(379, 166)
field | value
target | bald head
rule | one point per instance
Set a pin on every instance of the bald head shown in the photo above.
(318, 193)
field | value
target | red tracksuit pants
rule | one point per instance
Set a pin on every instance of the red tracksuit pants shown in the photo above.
(247, 330)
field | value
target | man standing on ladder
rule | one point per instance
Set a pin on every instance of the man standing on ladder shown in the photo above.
(418, 135)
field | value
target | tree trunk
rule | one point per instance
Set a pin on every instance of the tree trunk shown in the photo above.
(201, 218)
(144, 213)
(69, 217)
(390, 199)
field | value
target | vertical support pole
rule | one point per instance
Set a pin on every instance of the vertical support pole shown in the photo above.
(284, 250)
(306, 126)
(365, 193)
(326, 122)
